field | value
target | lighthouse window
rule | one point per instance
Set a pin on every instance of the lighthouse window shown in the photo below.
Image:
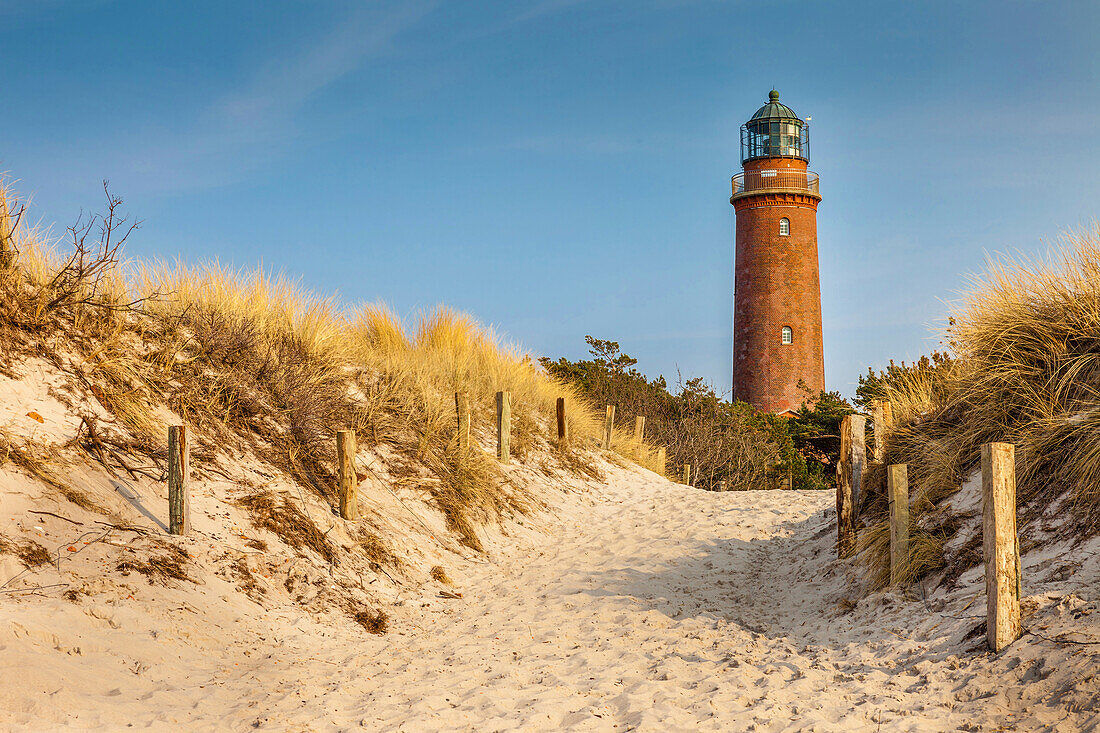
(788, 335)
(784, 230)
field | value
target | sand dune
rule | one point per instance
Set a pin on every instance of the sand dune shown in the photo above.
(637, 605)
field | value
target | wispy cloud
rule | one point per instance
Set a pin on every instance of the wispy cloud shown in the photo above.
(240, 131)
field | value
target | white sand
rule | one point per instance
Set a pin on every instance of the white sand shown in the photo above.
(637, 605)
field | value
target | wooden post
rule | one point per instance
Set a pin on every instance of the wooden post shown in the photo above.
(346, 449)
(1000, 544)
(881, 416)
(661, 460)
(857, 452)
(608, 426)
(639, 427)
(179, 472)
(7, 248)
(462, 408)
(687, 474)
(561, 418)
(504, 425)
(897, 492)
(849, 470)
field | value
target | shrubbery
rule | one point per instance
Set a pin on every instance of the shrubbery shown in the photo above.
(726, 443)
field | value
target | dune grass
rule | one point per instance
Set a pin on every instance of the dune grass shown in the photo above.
(1026, 338)
(257, 363)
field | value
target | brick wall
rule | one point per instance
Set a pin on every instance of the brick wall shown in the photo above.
(776, 285)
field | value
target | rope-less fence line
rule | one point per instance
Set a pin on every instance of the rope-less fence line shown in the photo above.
(179, 470)
(1000, 542)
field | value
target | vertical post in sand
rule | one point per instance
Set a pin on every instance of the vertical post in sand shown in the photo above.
(346, 449)
(857, 455)
(504, 425)
(897, 492)
(179, 471)
(687, 474)
(608, 426)
(1000, 544)
(7, 248)
(639, 427)
(882, 415)
(848, 472)
(561, 418)
(462, 408)
(661, 459)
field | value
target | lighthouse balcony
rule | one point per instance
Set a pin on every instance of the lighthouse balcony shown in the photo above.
(778, 180)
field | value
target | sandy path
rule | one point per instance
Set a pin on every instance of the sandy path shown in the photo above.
(645, 606)
(656, 607)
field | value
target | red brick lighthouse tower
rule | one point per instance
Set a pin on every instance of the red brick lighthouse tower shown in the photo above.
(777, 290)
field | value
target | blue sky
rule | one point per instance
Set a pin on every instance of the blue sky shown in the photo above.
(560, 168)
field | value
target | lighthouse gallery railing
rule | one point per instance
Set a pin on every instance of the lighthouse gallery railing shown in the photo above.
(766, 179)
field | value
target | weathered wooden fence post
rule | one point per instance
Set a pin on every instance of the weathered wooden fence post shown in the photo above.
(687, 474)
(462, 408)
(7, 246)
(504, 425)
(639, 427)
(179, 472)
(346, 448)
(608, 426)
(849, 471)
(882, 416)
(897, 492)
(1000, 544)
(661, 458)
(561, 418)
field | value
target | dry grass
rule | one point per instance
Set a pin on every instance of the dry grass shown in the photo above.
(282, 517)
(162, 569)
(376, 622)
(31, 553)
(256, 363)
(1026, 338)
(439, 575)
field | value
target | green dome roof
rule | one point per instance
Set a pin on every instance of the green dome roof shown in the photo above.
(773, 110)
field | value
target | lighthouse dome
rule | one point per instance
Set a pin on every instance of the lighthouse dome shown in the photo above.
(774, 110)
(775, 131)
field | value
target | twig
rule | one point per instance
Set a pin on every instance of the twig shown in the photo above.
(72, 521)
(1060, 639)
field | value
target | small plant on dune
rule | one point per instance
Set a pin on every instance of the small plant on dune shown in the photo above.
(439, 575)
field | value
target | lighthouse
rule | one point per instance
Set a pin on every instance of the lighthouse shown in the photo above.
(777, 290)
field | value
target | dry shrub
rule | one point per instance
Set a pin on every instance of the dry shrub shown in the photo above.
(30, 552)
(1026, 339)
(439, 575)
(376, 622)
(280, 516)
(378, 554)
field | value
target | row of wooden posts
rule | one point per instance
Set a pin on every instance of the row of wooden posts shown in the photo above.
(179, 514)
(1000, 543)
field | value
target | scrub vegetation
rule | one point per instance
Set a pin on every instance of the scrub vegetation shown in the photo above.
(727, 444)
